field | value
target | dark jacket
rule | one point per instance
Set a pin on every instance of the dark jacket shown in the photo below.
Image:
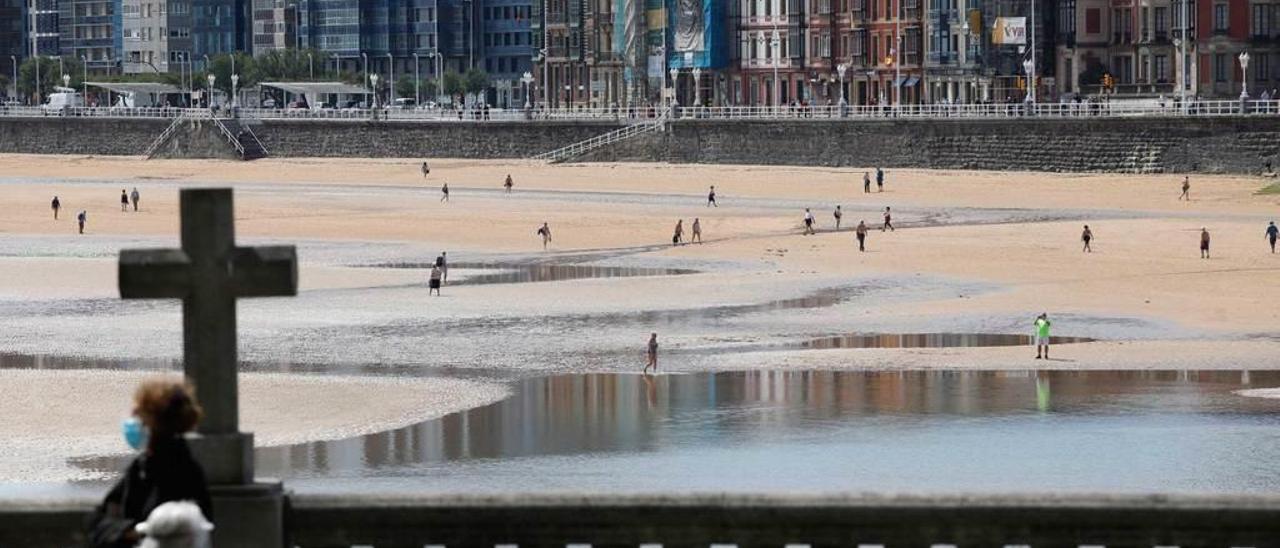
(168, 473)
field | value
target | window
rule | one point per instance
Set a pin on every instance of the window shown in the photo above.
(1162, 22)
(1263, 22)
(1220, 67)
(1093, 21)
(1220, 20)
(1261, 64)
(1162, 69)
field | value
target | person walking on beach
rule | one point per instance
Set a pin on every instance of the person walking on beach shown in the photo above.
(711, 197)
(545, 232)
(133, 197)
(1186, 188)
(56, 205)
(861, 231)
(1086, 237)
(879, 180)
(652, 353)
(838, 215)
(1272, 234)
(866, 182)
(1042, 335)
(808, 222)
(508, 184)
(679, 233)
(426, 170)
(442, 261)
(444, 193)
(435, 280)
(888, 221)
(82, 218)
(1204, 243)
(697, 232)
(124, 200)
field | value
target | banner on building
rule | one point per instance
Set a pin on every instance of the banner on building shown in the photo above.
(696, 34)
(628, 41)
(1010, 31)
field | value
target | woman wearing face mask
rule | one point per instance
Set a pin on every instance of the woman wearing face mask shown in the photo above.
(163, 471)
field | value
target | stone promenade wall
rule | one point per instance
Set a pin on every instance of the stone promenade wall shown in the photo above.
(1236, 145)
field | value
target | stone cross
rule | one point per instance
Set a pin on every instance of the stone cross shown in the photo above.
(209, 273)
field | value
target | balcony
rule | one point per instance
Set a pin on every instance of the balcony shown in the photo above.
(943, 57)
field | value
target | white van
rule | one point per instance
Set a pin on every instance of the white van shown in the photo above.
(62, 98)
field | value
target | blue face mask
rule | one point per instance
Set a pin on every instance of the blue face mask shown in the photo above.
(135, 434)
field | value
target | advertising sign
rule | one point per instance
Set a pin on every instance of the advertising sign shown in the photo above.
(1010, 31)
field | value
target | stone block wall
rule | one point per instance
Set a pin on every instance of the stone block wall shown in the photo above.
(356, 139)
(76, 135)
(1147, 145)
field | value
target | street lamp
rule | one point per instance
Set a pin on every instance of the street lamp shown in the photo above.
(1244, 75)
(527, 80)
(841, 69)
(870, 74)
(1029, 66)
(697, 87)
(311, 66)
(206, 61)
(417, 80)
(374, 79)
(235, 81)
(84, 79)
(391, 77)
(364, 59)
(212, 79)
(675, 85)
(776, 43)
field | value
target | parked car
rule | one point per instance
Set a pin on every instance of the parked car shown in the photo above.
(405, 103)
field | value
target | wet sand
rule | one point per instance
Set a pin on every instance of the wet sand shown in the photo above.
(978, 252)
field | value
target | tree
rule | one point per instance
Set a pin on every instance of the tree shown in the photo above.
(5, 82)
(246, 67)
(477, 81)
(454, 84)
(405, 87)
(49, 75)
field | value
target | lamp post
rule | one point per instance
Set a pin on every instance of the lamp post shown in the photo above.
(84, 78)
(1244, 75)
(311, 66)
(206, 62)
(1183, 69)
(212, 79)
(697, 87)
(841, 69)
(776, 43)
(14, 59)
(235, 81)
(1029, 66)
(675, 85)
(373, 78)
(417, 80)
(61, 69)
(527, 80)
(66, 80)
(391, 78)
(870, 74)
(364, 60)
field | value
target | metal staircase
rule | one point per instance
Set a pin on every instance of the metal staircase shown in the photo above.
(621, 134)
(164, 137)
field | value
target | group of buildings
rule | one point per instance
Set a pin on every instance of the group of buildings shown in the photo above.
(602, 53)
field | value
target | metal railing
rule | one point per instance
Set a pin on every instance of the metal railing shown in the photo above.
(169, 131)
(639, 115)
(582, 147)
(231, 138)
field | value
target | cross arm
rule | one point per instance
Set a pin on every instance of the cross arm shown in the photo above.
(266, 271)
(154, 274)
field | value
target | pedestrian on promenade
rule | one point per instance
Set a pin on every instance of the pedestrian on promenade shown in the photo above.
(426, 170)
(838, 215)
(1087, 236)
(1204, 243)
(679, 234)
(861, 231)
(545, 232)
(508, 184)
(1186, 188)
(82, 218)
(1272, 234)
(711, 197)
(124, 200)
(436, 275)
(442, 261)
(1042, 335)
(163, 469)
(866, 182)
(808, 222)
(56, 205)
(444, 193)
(697, 232)
(888, 221)
(133, 197)
(880, 179)
(652, 353)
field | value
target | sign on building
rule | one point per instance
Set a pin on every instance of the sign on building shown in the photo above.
(1010, 31)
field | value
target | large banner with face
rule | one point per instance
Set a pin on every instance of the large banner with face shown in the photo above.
(697, 39)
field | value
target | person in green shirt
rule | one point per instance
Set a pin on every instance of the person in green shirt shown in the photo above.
(1042, 335)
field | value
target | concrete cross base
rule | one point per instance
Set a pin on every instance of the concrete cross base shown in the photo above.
(227, 459)
(248, 516)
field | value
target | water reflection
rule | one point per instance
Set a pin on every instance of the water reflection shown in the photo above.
(929, 340)
(601, 417)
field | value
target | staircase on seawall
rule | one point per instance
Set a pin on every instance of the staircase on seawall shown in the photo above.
(621, 134)
(243, 138)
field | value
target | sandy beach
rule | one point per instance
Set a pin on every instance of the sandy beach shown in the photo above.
(974, 252)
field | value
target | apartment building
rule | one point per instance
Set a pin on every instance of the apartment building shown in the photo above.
(156, 36)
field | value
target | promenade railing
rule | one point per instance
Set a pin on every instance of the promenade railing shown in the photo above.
(1103, 109)
(747, 521)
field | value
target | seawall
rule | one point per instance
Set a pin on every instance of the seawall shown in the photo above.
(1222, 145)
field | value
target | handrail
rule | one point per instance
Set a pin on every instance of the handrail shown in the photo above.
(626, 132)
(254, 134)
(230, 137)
(164, 136)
